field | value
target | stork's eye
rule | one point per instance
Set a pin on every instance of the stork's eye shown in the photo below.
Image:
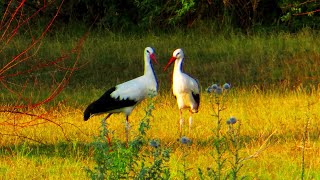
(148, 51)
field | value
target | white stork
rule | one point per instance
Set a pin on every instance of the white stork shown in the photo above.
(124, 97)
(185, 88)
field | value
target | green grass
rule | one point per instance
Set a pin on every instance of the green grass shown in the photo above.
(275, 91)
(261, 59)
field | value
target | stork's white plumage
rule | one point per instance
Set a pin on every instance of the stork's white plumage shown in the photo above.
(124, 97)
(185, 88)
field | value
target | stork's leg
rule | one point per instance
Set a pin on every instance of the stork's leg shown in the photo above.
(127, 130)
(190, 121)
(181, 121)
(105, 119)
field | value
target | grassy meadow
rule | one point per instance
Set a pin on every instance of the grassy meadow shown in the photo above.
(274, 96)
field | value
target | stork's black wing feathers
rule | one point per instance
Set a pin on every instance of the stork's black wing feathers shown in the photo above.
(107, 103)
(196, 98)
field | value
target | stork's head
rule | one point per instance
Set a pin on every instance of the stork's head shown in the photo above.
(149, 53)
(87, 113)
(90, 111)
(177, 54)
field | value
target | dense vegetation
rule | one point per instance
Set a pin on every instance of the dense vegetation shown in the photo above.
(124, 15)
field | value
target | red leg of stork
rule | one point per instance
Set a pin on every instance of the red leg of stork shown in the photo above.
(181, 121)
(190, 121)
(127, 130)
(105, 119)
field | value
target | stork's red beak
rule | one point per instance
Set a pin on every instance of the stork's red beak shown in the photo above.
(172, 59)
(154, 58)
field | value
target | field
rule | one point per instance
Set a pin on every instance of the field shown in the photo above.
(274, 96)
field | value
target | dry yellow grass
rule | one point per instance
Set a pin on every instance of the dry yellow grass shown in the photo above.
(273, 121)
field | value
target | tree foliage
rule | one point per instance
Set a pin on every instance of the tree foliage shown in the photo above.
(151, 14)
(301, 13)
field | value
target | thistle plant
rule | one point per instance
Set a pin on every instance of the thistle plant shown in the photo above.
(116, 160)
(234, 146)
(185, 143)
(155, 168)
(113, 160)
(219, 96)
(152, 162)
(227, 141)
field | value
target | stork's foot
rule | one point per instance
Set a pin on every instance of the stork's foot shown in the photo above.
(127, 133)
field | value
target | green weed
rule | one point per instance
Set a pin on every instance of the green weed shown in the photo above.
(115, 160)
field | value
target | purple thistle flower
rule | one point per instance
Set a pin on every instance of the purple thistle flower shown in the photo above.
(154, 143)
(231, 120)
(218, 90)
(214, 86)
(226, 86)
(185, 140)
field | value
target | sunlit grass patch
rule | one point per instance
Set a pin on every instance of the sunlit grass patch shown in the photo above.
(274, 120)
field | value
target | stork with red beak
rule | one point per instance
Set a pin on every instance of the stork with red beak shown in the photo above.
(185, 88)
(124, 97)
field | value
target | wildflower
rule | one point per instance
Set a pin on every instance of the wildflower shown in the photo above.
(218, 90)
(185, 140)
(154, 143)
(214, 86)
(226, 86)
(209, 89)
(231, 120)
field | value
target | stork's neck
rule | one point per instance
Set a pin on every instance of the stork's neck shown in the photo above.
(148, 68)
(149, 73)
(178, 66)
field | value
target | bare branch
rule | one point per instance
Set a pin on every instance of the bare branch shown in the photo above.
(23, 83)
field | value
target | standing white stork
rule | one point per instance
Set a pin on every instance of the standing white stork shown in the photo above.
(185, 88)
(124, 97)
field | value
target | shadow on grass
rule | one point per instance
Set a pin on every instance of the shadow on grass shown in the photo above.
(62, 149)
(85, 150)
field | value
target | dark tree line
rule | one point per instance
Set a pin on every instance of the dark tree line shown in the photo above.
(155, 14)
